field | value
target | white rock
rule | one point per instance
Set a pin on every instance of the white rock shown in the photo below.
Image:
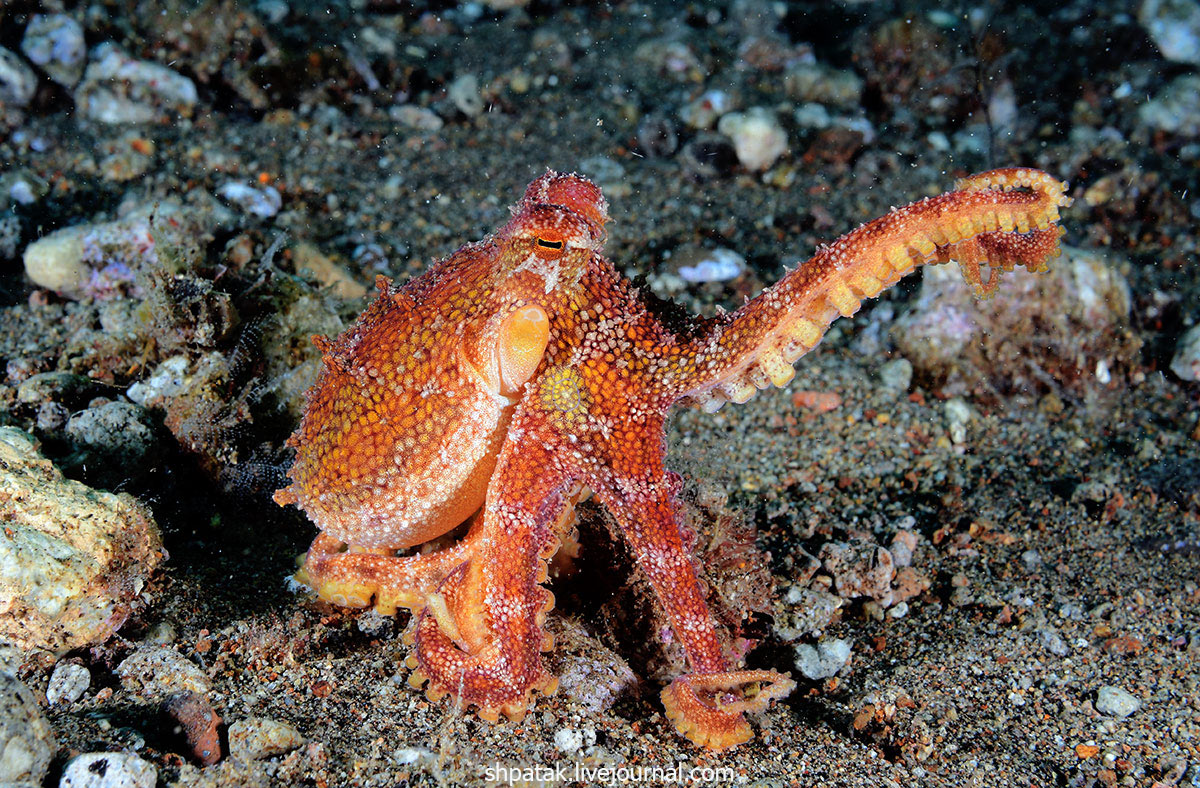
(108, 770)
(68, 682)
(758, 138)
(55, 262)
(263, 202)
(1186, 361)
(54, 43)
(1174, 25)
(1175, 108)
(1116, 702)
(18, 83)
(26, 742)
(118, 89)
(718, 265)
(464, 94)
(824, 660)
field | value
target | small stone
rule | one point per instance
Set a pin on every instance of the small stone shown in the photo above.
(262, 202)
(119, 89)
(308, 257)
(571, 740)
(108, 770)
(711, 265)
(758, 138)
(1174, 26)
(904, 543)
(896, 374)
(958, 414)
(114, 442)
(68, 682)
(255, 738)
(54, 43)
(26, 742)
(154, 672)
(1116, 702)
(1176, 108)
(18, 83)
(1186, 361)
(702, 112)
(824, 660)
(463, 93)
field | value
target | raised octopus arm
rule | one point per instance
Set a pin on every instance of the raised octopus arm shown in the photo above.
(1001, 219)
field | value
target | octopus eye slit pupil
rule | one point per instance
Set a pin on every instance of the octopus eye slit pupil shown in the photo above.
(549, 244)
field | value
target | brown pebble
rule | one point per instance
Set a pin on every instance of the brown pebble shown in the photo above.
(197, 722)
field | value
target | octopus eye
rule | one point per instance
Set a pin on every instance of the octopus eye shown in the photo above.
(548, 249)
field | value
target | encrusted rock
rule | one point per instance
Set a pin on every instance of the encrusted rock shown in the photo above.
(259, 737)
(154, 672)
(110, 259)
(860, 569)
(26, 742)
(823, 660)
(73, 561)
(194, 717)
(1070, 325)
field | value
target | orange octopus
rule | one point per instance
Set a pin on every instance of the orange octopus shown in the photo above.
(522, 372)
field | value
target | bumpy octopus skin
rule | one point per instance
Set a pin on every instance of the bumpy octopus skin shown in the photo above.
(522, 372)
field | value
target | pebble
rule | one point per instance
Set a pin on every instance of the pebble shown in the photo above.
(54, 43)
(26, 741)
(108, 770)
(1116, 702)
(1175, 108)
(1186, 361)
(824, 660)
(1174, 26)
(702, 112)
(758, 138)
(155, 672)
(76, 558)
(18, 82)
(958, 416)
(119, 89)
(262, 202)
(571, 740)
(896, 374)
(1052, 641)
(809, 611)
(713, 265)
(68, 682)
(255, 738)
(417, 118)
(821, 84)
(463, 93)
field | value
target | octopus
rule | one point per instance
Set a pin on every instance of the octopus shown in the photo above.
(455, 426)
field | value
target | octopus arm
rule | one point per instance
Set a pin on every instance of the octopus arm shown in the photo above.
(999, 219)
